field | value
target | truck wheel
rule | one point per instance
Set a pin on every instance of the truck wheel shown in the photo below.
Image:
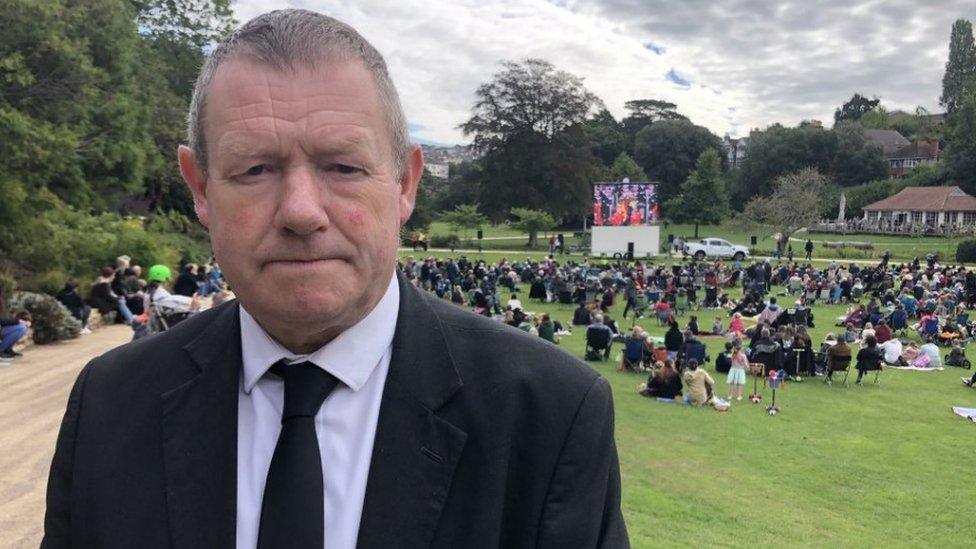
(739, 256)
(699, 255)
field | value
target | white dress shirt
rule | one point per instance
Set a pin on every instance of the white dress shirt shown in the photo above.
(345, 425)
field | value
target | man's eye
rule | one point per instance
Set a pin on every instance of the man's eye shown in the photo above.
(345, 169)
(255, 170)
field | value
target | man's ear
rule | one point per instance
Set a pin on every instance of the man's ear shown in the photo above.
(413, 169)
(196, 180)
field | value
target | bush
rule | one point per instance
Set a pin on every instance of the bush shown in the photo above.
(444, 241)
(966, 251)
(51, 320)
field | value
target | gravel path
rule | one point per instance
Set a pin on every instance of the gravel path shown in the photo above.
(33, 394)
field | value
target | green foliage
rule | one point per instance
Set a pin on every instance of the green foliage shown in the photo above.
(463, 218)
(876, 119)
(606, 137)
(643, 113)
(857, 159)
(703, 198)
(444, 241)
(779, 150)
(855, 108)
(669, 150)
(51, 321)
(966, 251)
(532, 221)
(960, 68)
(529, 121)
(423, 208)
(960, 157)
(624, 166)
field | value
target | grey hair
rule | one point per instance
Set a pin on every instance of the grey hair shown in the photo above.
(287, 39)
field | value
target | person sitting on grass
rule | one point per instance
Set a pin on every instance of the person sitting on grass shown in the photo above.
(931, 350)
(717, 328)
(664, 383)
(581, 316)
(910, 353)
(770, 313)
(851, 335)
(882, 332)
(892, 350)
(957, 356)
(547, 329)
(869, 358)
(693, 324)
(698, 384)
(662, 309)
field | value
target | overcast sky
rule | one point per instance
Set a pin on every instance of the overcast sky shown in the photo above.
(730, 66)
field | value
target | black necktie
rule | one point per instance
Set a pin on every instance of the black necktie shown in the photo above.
(293, 509)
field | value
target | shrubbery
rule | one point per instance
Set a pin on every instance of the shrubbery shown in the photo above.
(966, 251)
(51, 320)
(444, 241)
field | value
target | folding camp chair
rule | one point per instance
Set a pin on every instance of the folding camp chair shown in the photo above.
(598, 343)
(824, 296)
(696, 351)
(930, 328)
(633, 354)
(839, 364)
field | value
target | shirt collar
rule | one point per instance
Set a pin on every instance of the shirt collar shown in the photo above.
(351, 357)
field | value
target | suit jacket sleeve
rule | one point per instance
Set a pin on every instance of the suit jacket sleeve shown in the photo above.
(57, 519)
(582, 507)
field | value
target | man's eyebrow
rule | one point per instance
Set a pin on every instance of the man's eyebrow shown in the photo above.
(244, 147)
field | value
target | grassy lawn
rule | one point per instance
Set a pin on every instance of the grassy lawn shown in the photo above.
(885, 465)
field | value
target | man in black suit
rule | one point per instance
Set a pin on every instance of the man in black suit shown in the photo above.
(333, 404)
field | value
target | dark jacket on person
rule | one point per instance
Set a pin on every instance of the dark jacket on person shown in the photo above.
(723, 363)
(581, 317)
(185, 285)
(673, 340)
(102, 298)
(669, 387)
(71, 301)
(486, 437)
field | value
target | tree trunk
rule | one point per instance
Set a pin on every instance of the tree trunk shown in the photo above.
(696, 230)
(533, 239)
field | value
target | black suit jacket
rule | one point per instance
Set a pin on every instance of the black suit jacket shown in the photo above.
(487, 437)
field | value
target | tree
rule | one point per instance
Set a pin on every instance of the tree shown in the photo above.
(644, 112)
(463, 218)
(529, 122)
(532, 221)
(777, 151)
(960, 68)
(624, 166)
(876, 119)
(793, 204)
(527, 97)
(197, 22)
(606, 137)
(703, 198)
(857, 159)
(857, 107)
(960, 158)
(668, 151)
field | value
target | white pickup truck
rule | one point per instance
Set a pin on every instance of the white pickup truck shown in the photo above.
(715, 247)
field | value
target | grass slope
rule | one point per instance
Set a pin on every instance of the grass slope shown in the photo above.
(885, 465)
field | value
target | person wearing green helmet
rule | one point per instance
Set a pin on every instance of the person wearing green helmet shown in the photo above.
(158, 274)
(158, 300)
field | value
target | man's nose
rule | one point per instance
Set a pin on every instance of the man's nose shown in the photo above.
(301, 209)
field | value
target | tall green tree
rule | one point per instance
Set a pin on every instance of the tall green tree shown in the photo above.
(624, 166)
(778, 151)
(960, 158)
(528, 120)
(855, 108)
(644, 112)
(857, 159)
(961, 66)
(668, 151)
(606, 137)
(532, 222)
(703, 198)
(463, 218)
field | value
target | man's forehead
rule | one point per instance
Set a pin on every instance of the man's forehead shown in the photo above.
(245, 91)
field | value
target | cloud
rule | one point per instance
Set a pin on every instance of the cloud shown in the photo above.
(743, 63)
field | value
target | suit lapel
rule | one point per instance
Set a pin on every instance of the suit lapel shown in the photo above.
(199, 422)
(415, 451)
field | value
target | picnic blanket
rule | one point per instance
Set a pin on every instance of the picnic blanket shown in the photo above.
(968, 413)
(915, 368)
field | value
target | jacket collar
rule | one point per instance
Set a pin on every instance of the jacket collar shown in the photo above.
(199, 432)
(416, 451)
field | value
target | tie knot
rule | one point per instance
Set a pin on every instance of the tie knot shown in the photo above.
(306, 388)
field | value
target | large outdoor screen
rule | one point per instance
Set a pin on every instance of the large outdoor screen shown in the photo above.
(621, 204)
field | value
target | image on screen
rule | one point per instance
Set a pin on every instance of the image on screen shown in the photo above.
(622, 204)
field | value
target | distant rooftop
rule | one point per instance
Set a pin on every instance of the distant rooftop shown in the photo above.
(926, 199)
